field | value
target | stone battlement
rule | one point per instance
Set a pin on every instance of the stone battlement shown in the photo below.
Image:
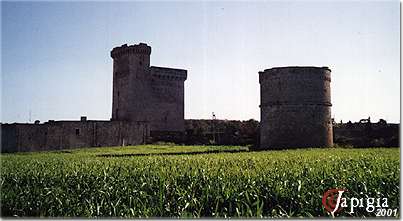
(169, 73)
(296, 69)
(141, 48)
(295, 73)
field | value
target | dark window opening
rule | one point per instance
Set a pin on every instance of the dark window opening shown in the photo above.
(166, 117)
(77, 132)
(140, 63)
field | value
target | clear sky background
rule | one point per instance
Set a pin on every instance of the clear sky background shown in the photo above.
(56, 62)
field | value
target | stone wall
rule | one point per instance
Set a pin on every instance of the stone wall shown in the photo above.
(366, 134)
(295, 107)
(56, 135)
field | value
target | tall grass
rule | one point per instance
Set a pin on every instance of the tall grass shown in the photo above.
(248, 184)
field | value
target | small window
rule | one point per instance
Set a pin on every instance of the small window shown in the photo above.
(140, 63)
(77, 132)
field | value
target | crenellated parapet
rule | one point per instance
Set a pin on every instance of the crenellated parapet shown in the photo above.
(169, 73)
(295, 73)
(141, 48)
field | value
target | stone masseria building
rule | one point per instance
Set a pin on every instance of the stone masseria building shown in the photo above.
(147, 102)
(295, 107)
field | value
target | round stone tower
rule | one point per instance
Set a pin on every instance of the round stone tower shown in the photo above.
(295, 107)
(131, 72)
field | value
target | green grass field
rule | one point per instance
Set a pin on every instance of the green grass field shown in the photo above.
(181, 181)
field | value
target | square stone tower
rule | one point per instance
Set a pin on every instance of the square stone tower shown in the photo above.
(146, 93)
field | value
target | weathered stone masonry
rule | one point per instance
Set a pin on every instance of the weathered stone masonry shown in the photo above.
(146, 93)
(56, 135)
(295, 107)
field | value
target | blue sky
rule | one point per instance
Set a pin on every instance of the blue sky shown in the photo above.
(56, 63)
